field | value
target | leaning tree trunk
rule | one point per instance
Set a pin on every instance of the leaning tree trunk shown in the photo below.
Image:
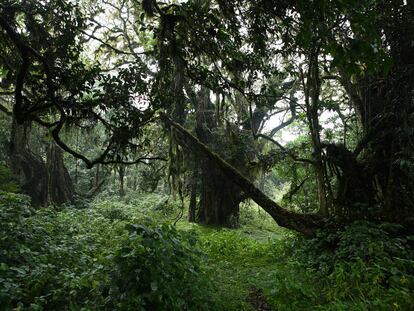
(306, 224)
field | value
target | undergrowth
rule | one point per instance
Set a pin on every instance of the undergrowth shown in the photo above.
(128, 255)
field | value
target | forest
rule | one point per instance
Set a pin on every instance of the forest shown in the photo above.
(206, 155)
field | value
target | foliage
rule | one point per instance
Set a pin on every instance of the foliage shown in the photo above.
(73, 259)
(7, 182)
(137, 206)
(225, 69)
(302, 192)
(113, 255)
(66, 86)
(4, 135)
(363, 267)
(158, 268)
(339, 72)
(50, 259)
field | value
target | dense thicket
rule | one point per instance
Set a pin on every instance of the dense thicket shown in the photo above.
(114, 255)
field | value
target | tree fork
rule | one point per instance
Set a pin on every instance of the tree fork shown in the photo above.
(303, 223)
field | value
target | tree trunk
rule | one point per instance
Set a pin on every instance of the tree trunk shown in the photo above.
(60, 186)
(28, 168)
(312, 91)
(121, 174)
(192, 208)
(219, 199)
(45, 183)
(97, 175)
(134, 182)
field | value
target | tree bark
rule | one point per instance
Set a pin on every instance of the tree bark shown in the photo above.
(45, 183)
(219, 198)
(28, 168)
(121, 175)
(192, 208)
(60, 187)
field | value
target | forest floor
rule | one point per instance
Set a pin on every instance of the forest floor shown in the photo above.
(261, 266)
(239, 262)
(117, 254)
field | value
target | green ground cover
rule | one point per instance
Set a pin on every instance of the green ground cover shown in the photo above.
(129, 255)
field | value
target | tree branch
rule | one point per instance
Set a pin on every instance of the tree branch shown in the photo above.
(290, 154)
(295, 189)
(143, 160)
(7, 92)
(5, 110)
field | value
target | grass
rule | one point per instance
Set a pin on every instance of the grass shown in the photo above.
(237, 259)
(259, 254)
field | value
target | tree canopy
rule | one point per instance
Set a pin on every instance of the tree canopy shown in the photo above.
(227, 74)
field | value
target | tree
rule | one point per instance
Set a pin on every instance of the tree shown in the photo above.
(42, 67)
(258, 59)
(366, 51)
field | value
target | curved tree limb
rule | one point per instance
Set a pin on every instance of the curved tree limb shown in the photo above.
(101, 159)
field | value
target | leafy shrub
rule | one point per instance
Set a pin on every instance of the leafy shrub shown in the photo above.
(14, 209)
(158, 268)
(372, 265)
(49, 259)
(113, 211)
(7, 182)
(138, 207)
(86, 259)
(75, 259)
(362, 267)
